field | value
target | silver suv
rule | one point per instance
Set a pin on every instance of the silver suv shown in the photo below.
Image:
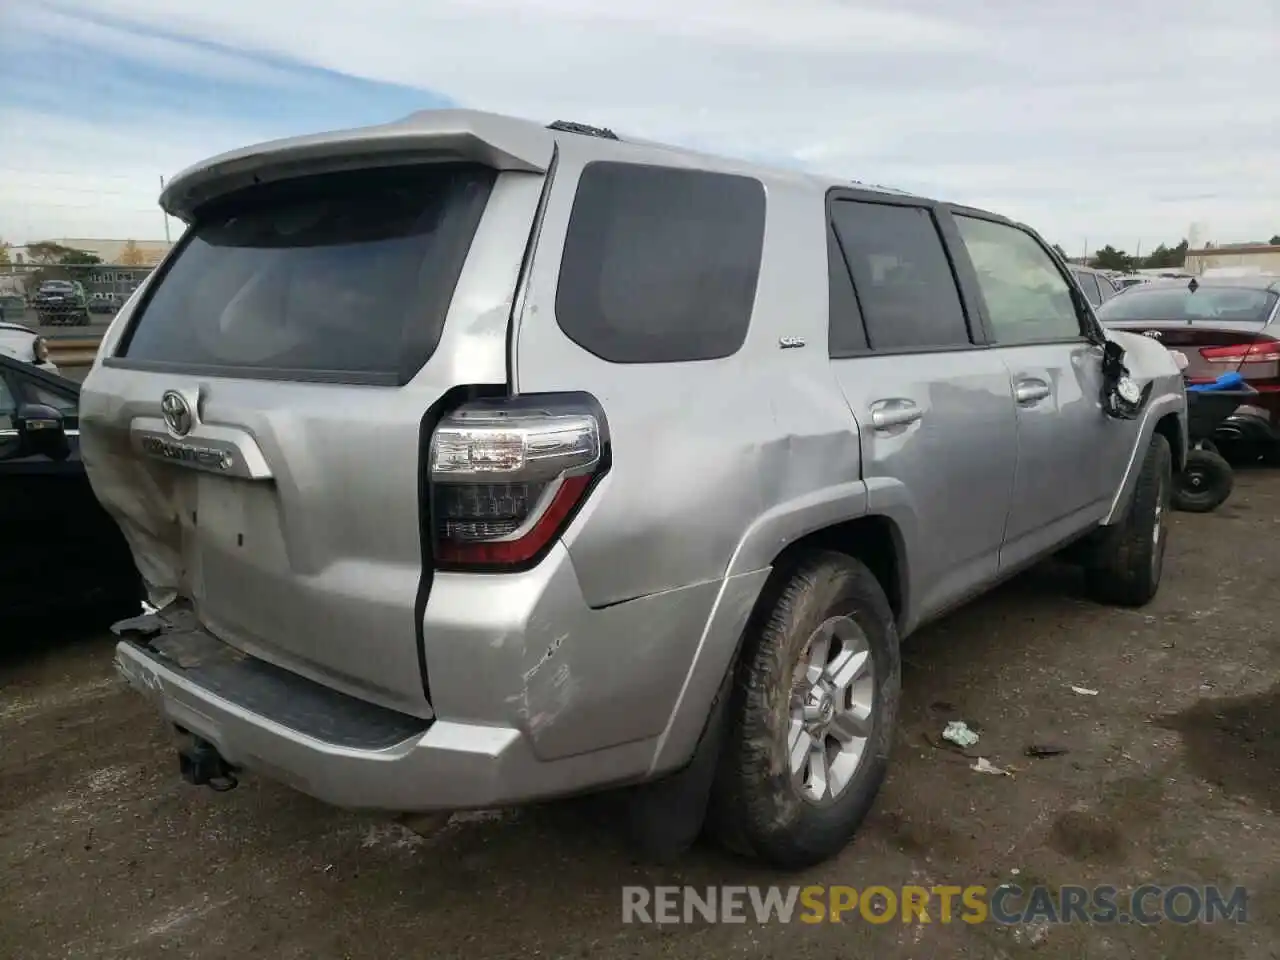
(473, 462)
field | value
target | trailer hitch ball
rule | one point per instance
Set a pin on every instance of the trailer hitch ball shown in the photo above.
(202, 765)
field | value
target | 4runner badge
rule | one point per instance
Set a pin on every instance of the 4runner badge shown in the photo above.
(1153, 334)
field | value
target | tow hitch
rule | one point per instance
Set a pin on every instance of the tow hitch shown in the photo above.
(202, 765)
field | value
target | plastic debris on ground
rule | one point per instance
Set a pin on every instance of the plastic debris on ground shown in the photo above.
(958, 732)
(983, 765)
(1083, 691)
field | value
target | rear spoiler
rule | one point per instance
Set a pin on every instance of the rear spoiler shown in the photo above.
(504, 143)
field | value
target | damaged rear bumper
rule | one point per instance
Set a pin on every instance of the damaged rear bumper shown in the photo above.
(534, 695)
(354, 754)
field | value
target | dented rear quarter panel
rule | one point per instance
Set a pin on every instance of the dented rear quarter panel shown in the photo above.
(717, 465)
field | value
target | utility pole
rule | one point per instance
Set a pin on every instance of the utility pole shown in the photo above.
(163, 214)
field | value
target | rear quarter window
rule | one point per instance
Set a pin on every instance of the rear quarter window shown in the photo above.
(660, 265)
(344, 277)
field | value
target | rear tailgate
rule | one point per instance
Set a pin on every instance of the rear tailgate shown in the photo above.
(258, 420)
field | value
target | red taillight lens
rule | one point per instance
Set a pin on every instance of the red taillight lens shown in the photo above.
(507, 476)
(1263, 351)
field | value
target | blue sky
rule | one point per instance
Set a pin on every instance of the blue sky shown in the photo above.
(1096, 121)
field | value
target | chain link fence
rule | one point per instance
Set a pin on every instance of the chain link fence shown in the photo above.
(66, 294)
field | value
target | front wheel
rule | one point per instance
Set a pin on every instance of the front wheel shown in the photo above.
(811, 717)
(1128, 557)
(1204, 484)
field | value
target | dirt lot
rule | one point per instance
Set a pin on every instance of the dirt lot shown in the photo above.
(1173, 776)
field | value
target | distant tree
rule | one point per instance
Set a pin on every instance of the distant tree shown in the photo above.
(46, 252)
(80, 258)
(131, 255)
(49, 253)
(5, 258)
(1275, 241)
(1167, 257)
(1109, 258)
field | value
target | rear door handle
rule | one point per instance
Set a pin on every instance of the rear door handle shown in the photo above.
(1027, 392)
(886, 414)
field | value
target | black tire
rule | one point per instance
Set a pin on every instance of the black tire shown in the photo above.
(1128, 556)
(1207, 445)
(756, 809)
(1204, 484)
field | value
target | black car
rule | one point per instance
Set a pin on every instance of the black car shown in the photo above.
(61, 302)
(60, 552)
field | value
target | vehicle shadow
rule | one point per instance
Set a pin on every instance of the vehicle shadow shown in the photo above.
(23, 638)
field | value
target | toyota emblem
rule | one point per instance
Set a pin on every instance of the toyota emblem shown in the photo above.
(178, 417)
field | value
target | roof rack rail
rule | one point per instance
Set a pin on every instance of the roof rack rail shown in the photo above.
(586, 130)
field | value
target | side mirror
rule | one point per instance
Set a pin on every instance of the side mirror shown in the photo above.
(41, 432)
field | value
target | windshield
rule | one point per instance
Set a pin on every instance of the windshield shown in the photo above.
(1241, 304)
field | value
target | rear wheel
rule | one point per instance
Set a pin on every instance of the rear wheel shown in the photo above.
(1204, 483)
(1128, 558)
(811, 717)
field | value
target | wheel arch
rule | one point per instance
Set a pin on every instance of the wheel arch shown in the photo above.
(753, 582)
(1166, 413)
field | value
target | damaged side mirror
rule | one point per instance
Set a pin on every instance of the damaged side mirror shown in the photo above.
(1122, 397)
(41, 432)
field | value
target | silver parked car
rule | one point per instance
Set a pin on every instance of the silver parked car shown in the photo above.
(473, 462)
(1097, 286)
(22, 343)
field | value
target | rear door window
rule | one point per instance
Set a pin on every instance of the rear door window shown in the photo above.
(903, 281)
(660, 264)
(344, 277)
(1028, 299)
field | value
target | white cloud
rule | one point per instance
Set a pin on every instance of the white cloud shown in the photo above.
(1113, 122)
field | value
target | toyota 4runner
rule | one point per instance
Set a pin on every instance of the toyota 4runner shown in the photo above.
(471, 462)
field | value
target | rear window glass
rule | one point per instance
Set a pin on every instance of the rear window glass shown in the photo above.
(1174, 303)
(660, 264)
(344, 277)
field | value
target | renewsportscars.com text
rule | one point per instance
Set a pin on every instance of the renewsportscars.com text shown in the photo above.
(1005, 904)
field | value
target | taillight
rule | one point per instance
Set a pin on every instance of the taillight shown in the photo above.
(40, 349)
(507, 476)
(1264, 351)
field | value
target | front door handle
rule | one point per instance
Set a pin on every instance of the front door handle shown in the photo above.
(886, 414)
(1027, 392)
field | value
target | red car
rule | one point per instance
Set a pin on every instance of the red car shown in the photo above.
(1220, 325)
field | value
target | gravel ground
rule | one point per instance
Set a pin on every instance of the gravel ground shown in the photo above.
(1172, 775)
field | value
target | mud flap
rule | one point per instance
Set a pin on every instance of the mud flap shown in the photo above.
(664, 818)
(1122, 397)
